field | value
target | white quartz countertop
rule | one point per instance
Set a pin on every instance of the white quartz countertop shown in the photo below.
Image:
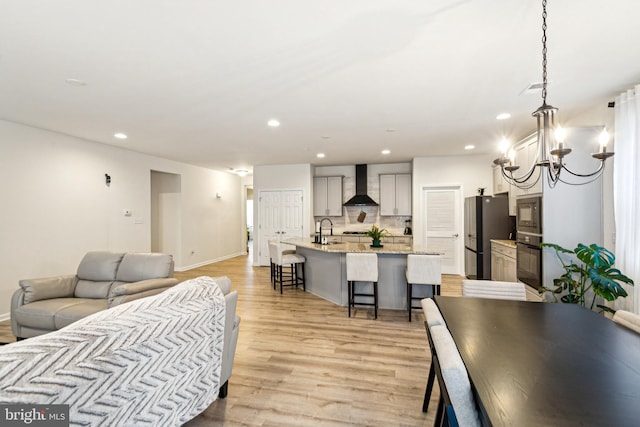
(338, 246)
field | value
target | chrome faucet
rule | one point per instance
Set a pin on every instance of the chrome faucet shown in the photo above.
(331, 225)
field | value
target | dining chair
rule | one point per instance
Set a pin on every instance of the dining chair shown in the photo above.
(457, 405)
(423, 270)
(283, 258)
(362, 267)
(627, 319)
(494, 289)
(433, 317)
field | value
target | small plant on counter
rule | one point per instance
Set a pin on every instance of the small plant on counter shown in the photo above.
(376, 234)
(596, 274)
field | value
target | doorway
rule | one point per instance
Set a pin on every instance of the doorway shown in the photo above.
(166, 214)
(443, 225)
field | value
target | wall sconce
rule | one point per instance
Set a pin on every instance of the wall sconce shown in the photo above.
(218, 196)
(107, 179)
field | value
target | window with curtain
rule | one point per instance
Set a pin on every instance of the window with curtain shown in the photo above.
(626, 187)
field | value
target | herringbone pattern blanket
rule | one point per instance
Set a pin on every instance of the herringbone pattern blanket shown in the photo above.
(153, 361)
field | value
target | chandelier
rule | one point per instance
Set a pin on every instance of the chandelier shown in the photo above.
(550, 147)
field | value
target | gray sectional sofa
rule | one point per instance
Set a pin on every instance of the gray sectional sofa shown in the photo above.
(156, 361)
(103, 280)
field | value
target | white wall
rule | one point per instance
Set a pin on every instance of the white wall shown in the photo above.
(282, 177)
(56, 205)
(468, 172)
(573, 214)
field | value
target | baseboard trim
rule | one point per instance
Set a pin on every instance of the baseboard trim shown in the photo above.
(211, 261)
(5, 316)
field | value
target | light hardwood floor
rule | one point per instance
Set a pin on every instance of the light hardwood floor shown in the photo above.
(301, 361)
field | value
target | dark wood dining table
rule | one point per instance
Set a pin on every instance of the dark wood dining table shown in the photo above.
(546, 364)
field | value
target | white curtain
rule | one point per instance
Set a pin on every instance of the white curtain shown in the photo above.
(626, 188)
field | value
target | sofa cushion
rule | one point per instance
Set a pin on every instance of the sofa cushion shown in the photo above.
(137, 267)
(67, 315)
(99, 266)
(41, 314)
(89, 289)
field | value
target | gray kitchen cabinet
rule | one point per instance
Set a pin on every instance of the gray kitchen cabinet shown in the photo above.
(503, 263)
(525, 156)
(327, 196)
(501, 186)
(395, 194)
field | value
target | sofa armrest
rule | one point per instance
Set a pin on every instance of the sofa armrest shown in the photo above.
(48, 288)
(126, 292)
(231, 329)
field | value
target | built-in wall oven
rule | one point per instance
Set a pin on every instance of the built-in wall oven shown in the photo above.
(528, 239)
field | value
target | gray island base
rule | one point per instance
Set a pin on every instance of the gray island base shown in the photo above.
(326, 272)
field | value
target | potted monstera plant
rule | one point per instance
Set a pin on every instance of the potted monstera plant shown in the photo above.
(583, 282)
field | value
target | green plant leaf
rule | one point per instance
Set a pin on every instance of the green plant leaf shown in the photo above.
(605, 282)
(557, 248)
(595, 256)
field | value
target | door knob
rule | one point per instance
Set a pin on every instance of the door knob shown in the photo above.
(455, 235)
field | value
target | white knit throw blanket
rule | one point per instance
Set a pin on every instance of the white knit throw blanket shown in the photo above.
(154, 361)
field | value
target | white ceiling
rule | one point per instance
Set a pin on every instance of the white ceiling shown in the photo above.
(197, 80)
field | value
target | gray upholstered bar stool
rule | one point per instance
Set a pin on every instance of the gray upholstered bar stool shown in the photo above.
(284, 258)
(422, 270)
(362, 267)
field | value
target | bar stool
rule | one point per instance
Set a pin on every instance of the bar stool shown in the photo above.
(272, 256)
(422, 270)
(283, 258)
(362, 267)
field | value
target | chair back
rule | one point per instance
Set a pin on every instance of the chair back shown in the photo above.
(274, 253)
(457, 388)
(627, 319)
(431, 312)
(362, 267)
(494, 289)
(424, 269)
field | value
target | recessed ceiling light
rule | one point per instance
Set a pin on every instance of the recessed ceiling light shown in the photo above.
(273, 123)
(120, 135)
(320, 155)
(385, 152)
(503, 116)
(469, 147)
(75, 82)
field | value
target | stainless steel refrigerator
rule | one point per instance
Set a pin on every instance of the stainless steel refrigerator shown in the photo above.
(485, 218)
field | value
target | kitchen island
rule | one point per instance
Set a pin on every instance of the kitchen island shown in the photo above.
(326, 272)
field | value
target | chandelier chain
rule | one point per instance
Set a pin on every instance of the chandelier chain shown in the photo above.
(544, 51)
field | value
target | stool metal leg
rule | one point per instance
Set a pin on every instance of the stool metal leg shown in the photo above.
(375, 299)
(350, 289)
(409, 299)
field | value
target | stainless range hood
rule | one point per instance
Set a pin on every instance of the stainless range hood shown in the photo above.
(361, 198)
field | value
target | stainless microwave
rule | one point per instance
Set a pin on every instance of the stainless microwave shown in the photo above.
(529, 215)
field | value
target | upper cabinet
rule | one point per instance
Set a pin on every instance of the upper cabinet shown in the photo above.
(327, 196)
(525, 156)
(501, 186)
(395, 194)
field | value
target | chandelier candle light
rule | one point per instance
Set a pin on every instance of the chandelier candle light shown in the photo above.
(550, 145)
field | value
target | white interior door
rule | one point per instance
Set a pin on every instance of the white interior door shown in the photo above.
(442, 207)
(280, 217)
(290, 214)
